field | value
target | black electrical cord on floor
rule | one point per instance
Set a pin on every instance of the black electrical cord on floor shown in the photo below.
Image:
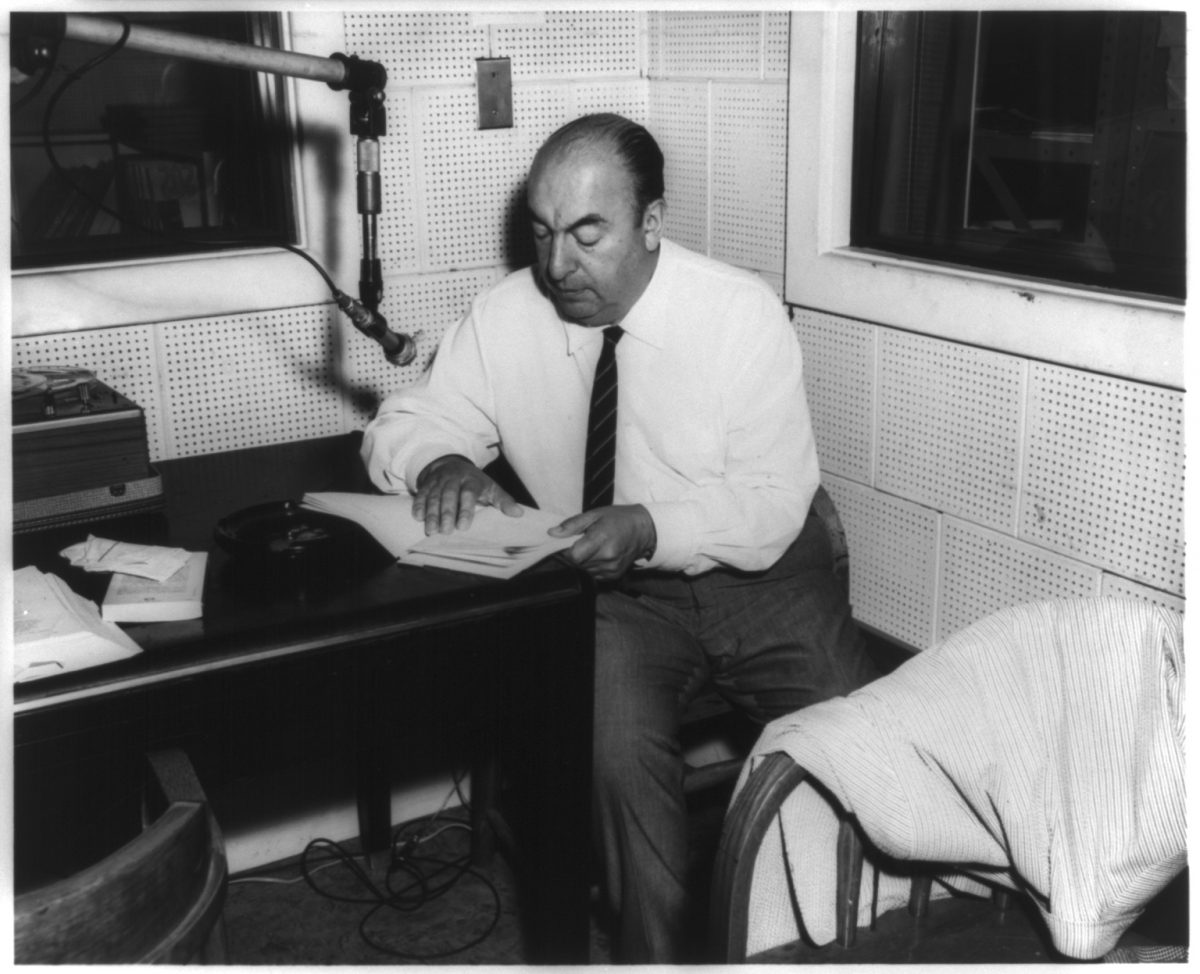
(423, 888)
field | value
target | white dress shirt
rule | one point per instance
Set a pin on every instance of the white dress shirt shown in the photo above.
(714, 435)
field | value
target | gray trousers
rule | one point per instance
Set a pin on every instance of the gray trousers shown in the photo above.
(771, 642)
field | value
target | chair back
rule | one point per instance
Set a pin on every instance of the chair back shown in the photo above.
(158, 899)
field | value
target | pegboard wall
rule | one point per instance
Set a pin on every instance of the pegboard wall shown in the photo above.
(1017, 479)
(949, 426)
(744, 44)
(839, 378)
(893, 546)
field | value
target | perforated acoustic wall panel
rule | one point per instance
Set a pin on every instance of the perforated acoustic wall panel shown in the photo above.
(749, 167)
(573, 44)
(776, 24)
(628, 98)
(717, 44)
(422, 308)
(681, 113)
(471, 181)
(250, 379)
(839, 379)
(124, 359)
(419, 46)
(949, 426)
(893, 546)
(1105, 473)
(982, 571)
(1114, 586)
(397, 228)
(959, 435)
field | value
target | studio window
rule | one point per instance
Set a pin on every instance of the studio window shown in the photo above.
(1042, 144)
(118, 154)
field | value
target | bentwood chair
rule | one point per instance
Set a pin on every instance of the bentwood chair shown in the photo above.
(1039, 752)
(158, 899)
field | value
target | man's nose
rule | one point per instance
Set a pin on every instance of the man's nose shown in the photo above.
(559, 261)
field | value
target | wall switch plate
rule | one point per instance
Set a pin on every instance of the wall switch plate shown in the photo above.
(493, 80)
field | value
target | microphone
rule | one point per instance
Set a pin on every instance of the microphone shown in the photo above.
(398, 349)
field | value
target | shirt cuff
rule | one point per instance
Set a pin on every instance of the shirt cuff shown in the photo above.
(678, 529)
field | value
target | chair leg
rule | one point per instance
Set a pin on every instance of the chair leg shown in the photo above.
(849, 882)
(918, 898)
(215, 951)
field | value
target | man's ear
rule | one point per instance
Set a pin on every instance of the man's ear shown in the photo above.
(652, 223)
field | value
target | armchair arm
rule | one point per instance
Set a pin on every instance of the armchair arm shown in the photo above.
(747, 822)
(753, 811)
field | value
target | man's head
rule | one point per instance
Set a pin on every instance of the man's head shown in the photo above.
(595, 196)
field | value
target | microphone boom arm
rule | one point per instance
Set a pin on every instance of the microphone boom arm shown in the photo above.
(365, 81)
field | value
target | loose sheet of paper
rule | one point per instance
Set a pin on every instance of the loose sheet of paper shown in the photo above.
(495, 544)
(143, 560)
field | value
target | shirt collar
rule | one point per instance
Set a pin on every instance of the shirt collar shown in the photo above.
(645, 320)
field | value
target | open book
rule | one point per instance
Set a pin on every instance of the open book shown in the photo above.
(495, 544)
(56, 630)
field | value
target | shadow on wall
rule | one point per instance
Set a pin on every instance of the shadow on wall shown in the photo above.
(518, 238)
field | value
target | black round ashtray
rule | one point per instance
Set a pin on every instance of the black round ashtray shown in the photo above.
(284, 533)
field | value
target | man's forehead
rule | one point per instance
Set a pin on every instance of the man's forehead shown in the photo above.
(578, 180)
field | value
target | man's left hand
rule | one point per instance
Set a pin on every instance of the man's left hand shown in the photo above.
(613, 539)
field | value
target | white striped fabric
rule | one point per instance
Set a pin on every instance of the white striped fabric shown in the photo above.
(1044, 743)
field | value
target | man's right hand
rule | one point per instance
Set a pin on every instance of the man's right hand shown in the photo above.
(448, 491)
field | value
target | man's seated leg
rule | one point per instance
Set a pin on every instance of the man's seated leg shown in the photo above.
(647, 667)
(784, 639)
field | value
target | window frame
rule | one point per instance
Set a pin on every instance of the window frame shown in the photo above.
(1108, 332)
(182, 287)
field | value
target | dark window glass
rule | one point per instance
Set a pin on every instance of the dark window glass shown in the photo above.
(145, 154)
(1045, 144)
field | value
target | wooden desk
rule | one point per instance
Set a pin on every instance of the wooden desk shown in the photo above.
(365, 666)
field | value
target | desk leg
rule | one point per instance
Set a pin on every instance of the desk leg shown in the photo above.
(372, 778)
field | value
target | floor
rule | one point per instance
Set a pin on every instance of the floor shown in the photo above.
(427, 908)
(430, 908)
(342, 914)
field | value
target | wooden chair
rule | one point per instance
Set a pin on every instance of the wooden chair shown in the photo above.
(1122, 656)
(749, 818)
(158, 899)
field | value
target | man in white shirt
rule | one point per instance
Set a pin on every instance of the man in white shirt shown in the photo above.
(710, 562)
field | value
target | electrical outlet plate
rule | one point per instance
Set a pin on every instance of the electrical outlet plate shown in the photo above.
(493, 80)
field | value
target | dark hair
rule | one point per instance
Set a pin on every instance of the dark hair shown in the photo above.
(632, 144)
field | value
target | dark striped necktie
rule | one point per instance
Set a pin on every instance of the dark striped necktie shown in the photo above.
(601, 457)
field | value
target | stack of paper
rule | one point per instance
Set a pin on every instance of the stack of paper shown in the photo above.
(495, 544)
(56, 630)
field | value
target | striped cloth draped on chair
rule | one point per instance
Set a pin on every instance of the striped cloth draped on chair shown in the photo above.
(1044, 745)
